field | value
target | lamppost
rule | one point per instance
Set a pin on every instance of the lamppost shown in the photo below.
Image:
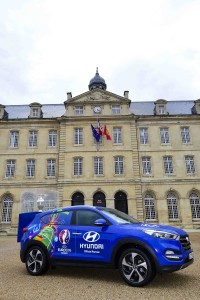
(40, 202)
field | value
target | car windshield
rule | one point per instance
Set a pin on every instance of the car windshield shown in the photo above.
(118, 216)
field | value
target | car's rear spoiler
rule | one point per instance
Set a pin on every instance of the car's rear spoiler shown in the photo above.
(24, 220)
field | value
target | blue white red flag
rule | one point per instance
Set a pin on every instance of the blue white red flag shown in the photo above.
(100, 130)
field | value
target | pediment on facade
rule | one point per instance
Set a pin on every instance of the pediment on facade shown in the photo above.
(97, 96)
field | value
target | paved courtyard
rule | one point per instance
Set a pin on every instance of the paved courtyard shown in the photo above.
(91, 283)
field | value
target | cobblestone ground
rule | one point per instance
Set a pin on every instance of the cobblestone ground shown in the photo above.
(91, 283)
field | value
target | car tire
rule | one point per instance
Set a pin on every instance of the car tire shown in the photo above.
(136, 268)
(36, 261)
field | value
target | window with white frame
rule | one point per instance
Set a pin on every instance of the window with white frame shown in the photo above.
(51, 167)
(172, 205)
(164, 135)
(98, 165)
(78, 166)
(78, 136)
(35, 112)
(189, 163)
(149, 204)
(33, 135)
(119, 165)
(52, 138)
(115, 109)
(195, 205)
(78, 110)
(185, 135)
(10, 168)
(144, 136)
(30, 168)
(161, 109)
(14, 139)
(168, 164)
(146, 165)
(7, 205)
(117, 135)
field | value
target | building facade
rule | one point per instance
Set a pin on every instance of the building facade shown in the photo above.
(147, 162)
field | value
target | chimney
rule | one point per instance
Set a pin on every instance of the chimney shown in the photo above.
(69, 95)
(126, 94)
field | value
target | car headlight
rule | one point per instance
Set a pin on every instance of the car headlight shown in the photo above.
(162, 234)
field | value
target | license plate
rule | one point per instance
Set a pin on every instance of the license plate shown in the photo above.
(191, 255)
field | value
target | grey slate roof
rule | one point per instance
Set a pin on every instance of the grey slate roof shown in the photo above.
(23, 111)
(137, 108)
(173, 107)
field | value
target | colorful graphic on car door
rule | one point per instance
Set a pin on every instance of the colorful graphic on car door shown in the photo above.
(65, 243)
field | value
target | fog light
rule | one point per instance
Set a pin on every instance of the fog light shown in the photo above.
(171, 255)
(169, 252)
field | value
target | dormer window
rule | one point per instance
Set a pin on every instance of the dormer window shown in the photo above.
(35, 110)
(160, 107)
(196, 107)
(3, 113)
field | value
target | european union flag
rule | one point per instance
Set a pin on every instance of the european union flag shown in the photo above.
(95, 133)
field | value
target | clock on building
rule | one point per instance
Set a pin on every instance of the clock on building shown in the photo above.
(97, 109)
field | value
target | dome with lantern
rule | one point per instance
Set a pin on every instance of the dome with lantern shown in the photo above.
(97, 82)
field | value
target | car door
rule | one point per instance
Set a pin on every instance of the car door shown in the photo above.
(92, 241)
(64, 240)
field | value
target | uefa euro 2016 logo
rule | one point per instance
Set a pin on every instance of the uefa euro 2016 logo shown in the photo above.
(64, 236)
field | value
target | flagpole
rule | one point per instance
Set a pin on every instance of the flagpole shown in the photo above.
(99, 127)
(98, 146)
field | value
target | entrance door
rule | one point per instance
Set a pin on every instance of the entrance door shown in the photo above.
(99, 199)
(121, 202)
(77, 199)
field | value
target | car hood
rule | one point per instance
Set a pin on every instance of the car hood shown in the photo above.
(159, 227)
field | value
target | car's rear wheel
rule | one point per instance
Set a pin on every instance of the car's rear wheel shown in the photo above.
(36, 261)
(135, 267)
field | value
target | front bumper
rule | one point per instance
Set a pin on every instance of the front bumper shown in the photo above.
(173, 268)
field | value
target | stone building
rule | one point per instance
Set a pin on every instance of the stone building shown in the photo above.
(147, 164)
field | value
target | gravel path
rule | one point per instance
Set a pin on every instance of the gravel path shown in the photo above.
(90, 283)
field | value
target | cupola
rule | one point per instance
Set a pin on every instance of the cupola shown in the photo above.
(97, 82)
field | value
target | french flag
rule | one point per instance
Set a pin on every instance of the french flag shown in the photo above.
(100, 130)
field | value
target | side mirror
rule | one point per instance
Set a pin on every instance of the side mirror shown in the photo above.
(100, 222)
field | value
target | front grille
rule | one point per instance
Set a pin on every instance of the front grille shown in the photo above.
(185, 242)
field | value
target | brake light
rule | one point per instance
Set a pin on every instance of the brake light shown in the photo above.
(25, 229)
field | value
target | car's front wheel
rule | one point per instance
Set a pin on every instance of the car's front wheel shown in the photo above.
(36, 261)
(135, 267)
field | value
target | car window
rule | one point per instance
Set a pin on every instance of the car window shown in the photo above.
(118, 216)
(57, 218)
(85, 217)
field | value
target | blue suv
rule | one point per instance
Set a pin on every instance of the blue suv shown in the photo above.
(99, 236)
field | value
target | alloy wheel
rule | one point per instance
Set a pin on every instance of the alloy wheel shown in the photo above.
(135, 267)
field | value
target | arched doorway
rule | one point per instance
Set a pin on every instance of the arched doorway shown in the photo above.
(121, 202)
(77, 199)
(99, 199)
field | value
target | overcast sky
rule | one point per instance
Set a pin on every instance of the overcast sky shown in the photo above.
(50, 47)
